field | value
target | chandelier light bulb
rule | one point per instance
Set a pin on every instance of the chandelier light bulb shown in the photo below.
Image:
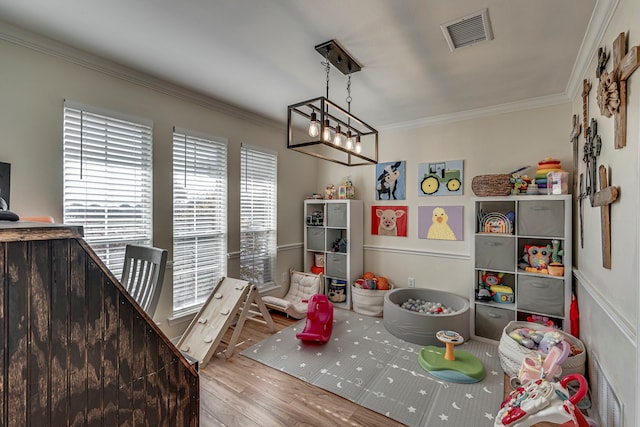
(358, 144)
(349, 143)
(326, 133)
(314, 126)
(337, 139)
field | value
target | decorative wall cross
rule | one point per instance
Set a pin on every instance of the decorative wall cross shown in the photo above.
(604, 198)
(624, 64)
(592, 148)
(586, 88)
(575, 133)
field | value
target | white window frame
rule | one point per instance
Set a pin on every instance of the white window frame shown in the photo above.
(258, 216)
(107, 179)
(199, 217)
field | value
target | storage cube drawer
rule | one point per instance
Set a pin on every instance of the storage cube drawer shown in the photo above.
(541, 218)
(490, 321)
(315, 239)
(335, 265)
(541, 295)
(495, 252)
(337, 215)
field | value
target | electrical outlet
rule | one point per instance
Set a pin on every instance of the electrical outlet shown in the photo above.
(411, 282)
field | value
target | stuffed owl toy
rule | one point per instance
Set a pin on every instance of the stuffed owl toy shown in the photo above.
(537, 257)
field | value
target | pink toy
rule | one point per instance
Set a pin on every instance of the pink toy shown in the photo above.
(550, 369)
(541, 400)
(319, 320)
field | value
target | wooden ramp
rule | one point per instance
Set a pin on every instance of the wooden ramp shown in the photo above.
(231, 303)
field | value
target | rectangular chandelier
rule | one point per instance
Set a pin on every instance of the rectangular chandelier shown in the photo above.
(320, 128)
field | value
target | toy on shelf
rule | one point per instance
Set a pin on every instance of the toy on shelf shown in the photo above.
(457, 366)
(541, 400)
(347, 189)
(319, 323)
(520, 183)
(555, 266)
(491, 289)
(496, 222)
(536, 259)
(544, 167)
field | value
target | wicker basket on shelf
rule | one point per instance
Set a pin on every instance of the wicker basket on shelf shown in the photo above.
(491, 185)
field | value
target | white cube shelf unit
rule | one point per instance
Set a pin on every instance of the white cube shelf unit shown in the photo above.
(536, 221)
(334, 234)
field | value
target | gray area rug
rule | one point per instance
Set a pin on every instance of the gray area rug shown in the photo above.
(367, 365)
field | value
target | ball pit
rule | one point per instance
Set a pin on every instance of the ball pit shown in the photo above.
(427, 307)
(421, 327)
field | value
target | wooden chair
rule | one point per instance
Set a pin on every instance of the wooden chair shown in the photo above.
(143, 273)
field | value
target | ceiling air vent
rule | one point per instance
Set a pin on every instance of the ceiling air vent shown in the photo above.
(468, 30)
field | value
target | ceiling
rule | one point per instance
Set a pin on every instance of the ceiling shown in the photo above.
(259, 55)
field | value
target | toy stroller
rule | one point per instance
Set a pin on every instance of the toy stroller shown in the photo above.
(319, 320)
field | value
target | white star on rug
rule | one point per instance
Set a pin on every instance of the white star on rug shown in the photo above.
(353, 356)
(349, 330)
(423, 392)
(323, 371)
(469, 396)
(359, 369)
(302, 365)
(394, 366)
(444, 417)
(318, 354)
(488, 415)
(494, 373)
(411, 409)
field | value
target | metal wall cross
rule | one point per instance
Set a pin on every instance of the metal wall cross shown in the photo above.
(592, 148)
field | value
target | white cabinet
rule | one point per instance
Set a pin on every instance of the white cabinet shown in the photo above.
(334, 237)
(505, 229)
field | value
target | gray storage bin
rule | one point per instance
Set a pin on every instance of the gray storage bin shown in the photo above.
(491, 321)
(315, 239)
(337, 215)
(495, 252)
(335, 265)
(543, 218)
(541, 295)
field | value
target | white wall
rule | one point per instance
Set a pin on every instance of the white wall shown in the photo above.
(609, 298)
(497, 144)
(34, 86)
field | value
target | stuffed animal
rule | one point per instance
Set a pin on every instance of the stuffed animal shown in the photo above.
(536, 258)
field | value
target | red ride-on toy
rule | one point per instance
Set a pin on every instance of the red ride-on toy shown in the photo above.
(319, 320)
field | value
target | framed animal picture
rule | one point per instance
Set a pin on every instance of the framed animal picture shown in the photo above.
(390, 181)
(440, 222)
(440, 178)
(389, 220)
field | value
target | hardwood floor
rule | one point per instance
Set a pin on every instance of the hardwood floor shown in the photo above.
(241, 392)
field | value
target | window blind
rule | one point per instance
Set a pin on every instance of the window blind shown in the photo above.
(107, 177)
(199, 217)
(258, 219)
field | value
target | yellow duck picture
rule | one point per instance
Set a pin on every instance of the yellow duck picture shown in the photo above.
(439, 228)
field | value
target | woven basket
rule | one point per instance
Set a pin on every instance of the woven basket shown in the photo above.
(512, 354)
(491, 185)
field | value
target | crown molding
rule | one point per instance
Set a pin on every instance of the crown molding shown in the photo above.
(600, 19)
(47, 46)
(526, 104)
